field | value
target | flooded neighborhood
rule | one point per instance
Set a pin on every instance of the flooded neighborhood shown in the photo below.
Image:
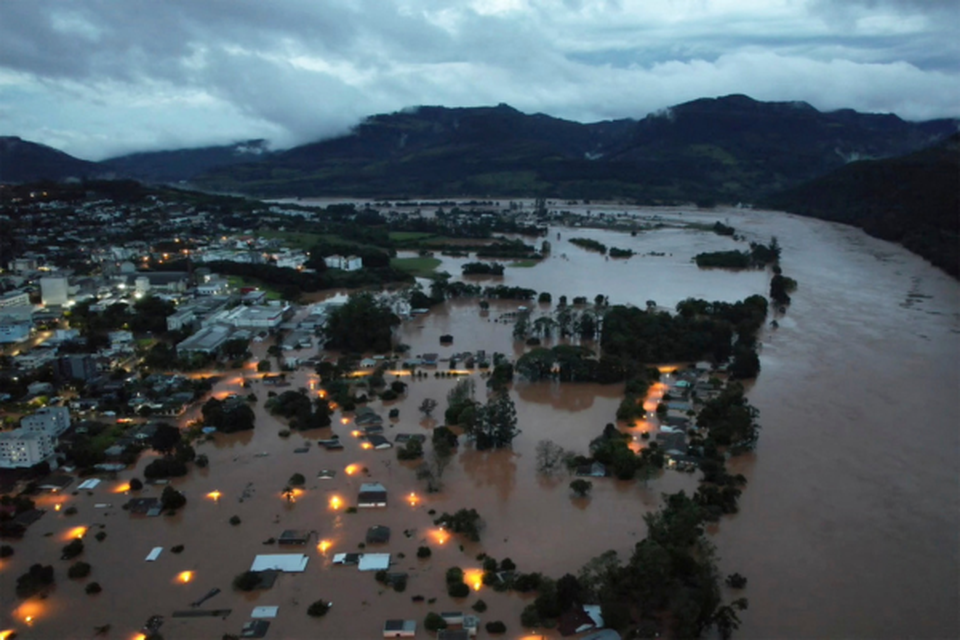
(855, 464)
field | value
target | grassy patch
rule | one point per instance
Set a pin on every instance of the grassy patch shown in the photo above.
(417, 267)
(239, 283)
(523, 263)
(406, 236)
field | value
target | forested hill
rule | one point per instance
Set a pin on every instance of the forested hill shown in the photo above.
(183, 164)
(727, 149)
(25, 161)
(912, 199)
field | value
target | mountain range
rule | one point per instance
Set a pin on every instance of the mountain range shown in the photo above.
(893, 178)
(725, 149)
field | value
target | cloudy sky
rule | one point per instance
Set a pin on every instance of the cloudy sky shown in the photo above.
(101, 77)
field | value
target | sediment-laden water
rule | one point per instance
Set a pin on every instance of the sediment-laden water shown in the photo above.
(848, 526)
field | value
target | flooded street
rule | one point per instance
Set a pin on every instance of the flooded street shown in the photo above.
(848, 526)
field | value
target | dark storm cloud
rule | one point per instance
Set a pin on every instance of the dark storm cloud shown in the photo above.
(97, 77)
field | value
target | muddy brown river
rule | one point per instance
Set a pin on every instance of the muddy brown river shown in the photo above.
(848, 526)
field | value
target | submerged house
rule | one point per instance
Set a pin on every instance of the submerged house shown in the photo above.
(372, 495)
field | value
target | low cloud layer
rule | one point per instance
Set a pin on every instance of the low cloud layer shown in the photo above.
(98, 78)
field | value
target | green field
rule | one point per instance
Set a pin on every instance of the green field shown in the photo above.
(406, 236)
(239, 283)
(417, 267)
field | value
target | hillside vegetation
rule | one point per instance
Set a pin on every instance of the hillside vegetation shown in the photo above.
(913, 200)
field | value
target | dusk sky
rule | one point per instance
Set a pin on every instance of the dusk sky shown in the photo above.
(97, 78)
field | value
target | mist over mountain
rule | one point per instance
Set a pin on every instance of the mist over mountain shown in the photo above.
(182, 164)
(727, 149)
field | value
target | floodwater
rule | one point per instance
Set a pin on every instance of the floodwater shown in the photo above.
(848, 526)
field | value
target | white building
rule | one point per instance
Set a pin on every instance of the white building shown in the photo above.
(23, 449)
(141, 286)
(54, 290)
(14, 299)
(14, 329)
(213, 286)
(347, 263)
(35, 440)
(49, 420)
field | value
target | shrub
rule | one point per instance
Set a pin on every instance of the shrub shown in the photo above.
(458, 590)
(529, 617)
(434, 622)
(479, 606)
(581, 487)
(284, 433)
(246, 581)
(422, 552)
(172, 499)
(400, 583)
(177, 549)
(318, 609)
(93, 587)
(136, 484)
(34, 580)
(454, 575)
(78, 570)
(496, 627)
(297, 480)
(736, 581)
(394, 413)
(6, 551)
(101, 536)
(72, 549)
(234, 520)
(202, 461)
(70, 511)
(507, 565)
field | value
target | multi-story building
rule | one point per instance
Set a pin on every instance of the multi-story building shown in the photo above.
(54, 290)
(14, 299)
(20, 448)
(35, 440)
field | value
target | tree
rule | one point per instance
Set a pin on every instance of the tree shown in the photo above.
(34, 580)
(78, 570)
(726, 619)
(165, 438)
(318, 609)
(550, 458)
(362, 324)
(264, 366)
(136, 484)
(465, 521)
(246, 581)
(581, 487)
(427, 406)
(434, 622)
(297, 480)
(171, 499)
(72, 549)
(496, 423)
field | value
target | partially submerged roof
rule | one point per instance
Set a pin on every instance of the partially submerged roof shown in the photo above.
(378, 534)
(294, 536)
(289, 562)
(399, 628)
(374, 562)
(264, 612)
